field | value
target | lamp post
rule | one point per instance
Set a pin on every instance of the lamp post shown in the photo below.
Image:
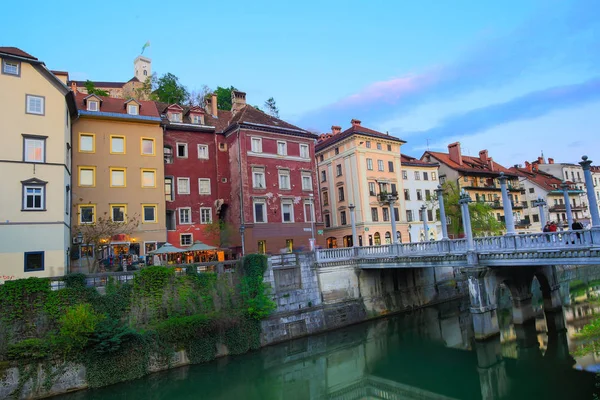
(389, 199)
(509, 220)
(540, 203)
(464, 201)
(353, 223)
(440, 196)
(242, 229)
(425, 227)
(589, 187)
(312, 222)
(565, 189)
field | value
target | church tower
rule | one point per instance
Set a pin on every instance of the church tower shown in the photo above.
(142, 67)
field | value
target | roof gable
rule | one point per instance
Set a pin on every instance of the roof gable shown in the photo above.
(15, 51)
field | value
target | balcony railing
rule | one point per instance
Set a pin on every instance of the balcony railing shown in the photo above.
(563, 208)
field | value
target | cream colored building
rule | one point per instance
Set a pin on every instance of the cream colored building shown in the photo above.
(355, 167)
(35, 165)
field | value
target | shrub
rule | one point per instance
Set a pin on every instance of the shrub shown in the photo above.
(77, 325)
(29, 349)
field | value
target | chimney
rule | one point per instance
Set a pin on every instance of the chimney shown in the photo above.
(491, 164)
(551, 161)
(528, 166)
(238, 101)
(335, 129)
(483, 156)
(540, 160)
(74, 87)
(355, 122)
(214, 106)
(454, 153)
(207, 105)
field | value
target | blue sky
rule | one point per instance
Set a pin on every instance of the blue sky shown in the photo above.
(515, 77)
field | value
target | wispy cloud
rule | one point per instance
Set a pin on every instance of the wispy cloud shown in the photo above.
(554, 38)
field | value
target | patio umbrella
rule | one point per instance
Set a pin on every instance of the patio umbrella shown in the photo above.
(166, 249)
(199, 246)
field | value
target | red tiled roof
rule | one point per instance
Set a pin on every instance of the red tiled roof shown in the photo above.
(100, 85)
(542, 179)
(358, 129)
(114, 105)
(408, 160)
(220, 123)
(59, 72)
(15, 51)
(251, 115)
(470, 164)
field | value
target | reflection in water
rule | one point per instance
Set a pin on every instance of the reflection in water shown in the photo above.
(427, 354)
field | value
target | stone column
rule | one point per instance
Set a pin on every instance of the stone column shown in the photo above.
(483, 302)
(425, 227)
(565, 189)
(393, 218)
(528, 347)
(522, 309)
(589, 187)
(493, 379)
(440, 196)
(352, 207)
(540, 203)
(466, 219)
(509, 220)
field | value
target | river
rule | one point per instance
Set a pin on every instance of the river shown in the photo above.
(426, 354)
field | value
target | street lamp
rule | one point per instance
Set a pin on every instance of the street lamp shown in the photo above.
(540, 203)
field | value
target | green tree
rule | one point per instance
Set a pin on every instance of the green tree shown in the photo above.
(271, 107)
(169, 90)
(91, 89)
(145, 92)
(224, 97)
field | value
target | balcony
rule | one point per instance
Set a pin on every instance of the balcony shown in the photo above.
(563, 208)
(384, 197)
(522, 224)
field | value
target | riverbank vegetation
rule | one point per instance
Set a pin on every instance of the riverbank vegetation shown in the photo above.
(132, 328)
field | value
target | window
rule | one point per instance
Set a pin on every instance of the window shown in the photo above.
(343, 218)
(185, 216)
(202, 152)
(11, 67)
(389, 147)
(386, 214)
(168, 154)
(287, 211)
(380, 165)
(418, 176)
(394, 189)
(406, 194)
(87, 142)
(282, 148)
(182, 150)
(430, 215)
(92, 105)
(536, 218)
(306, 181)
(323, 176)
(204, 185)
(409, 216)
(391, 166)
(205, 215)
(260, 211)
(304, 151)
(425, 176)
(341, 194)
(35, 104)
(284, 179)
(258, 178)
(368, 144)
(433, 176)
(169, 189)
(396, 214)
(321, 158)
(87, 213)
(117, 144)
(87, 176)
(186, 239)
(118, 212)
(34, 261)
(377, 237)
(118, 177)
(256, 145)
(34, 196)
(149, 213)
(325, 198)
(309, 211)
(327, 221)
(132, 109)
(427, 194)
(289, 245)
(148, 178)
(197, 119)
(383, 187)
(378, 146)
(338, 170)
(372, 190)
(175, 117)
(336, 150)
(183, 185)
(374, 214)
(531, 190)
(34, 148)
(405, 175)
(148, 147)
(262, 247)
(369, 164)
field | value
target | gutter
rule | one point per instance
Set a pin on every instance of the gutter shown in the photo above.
(102, 114)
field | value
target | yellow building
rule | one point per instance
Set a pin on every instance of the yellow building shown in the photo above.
(356, 167)
(35, 166)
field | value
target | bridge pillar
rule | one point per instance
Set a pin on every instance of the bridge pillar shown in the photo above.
(491, 368)
(528, 346)
(553, 300)
(522, 309)
(589, 186)
(483, 302)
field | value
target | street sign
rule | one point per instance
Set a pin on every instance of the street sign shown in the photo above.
(366, 229)
(320, 231)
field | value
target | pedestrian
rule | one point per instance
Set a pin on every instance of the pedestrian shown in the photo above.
(577, 226)
(553, 227)
(546, 227)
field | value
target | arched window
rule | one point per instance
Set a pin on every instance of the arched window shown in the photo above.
(398, 237)
(145, 73)
(348, 241)
(377, 239)
(388, 238)
(331, 243)
(168, 154)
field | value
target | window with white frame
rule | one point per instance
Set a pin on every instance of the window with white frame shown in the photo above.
(306, 181)
(309, 211)
(87, 214)
(433, 176)
(380, 165)
(33, 197)
(35, 104)
(185, 216)
(284, 179)
(203, 151)
(418, 176)
(204, 186)
(132, 109)
(175, 117)
(10, 67)
(282, 148)
(258, 178)
(372, 189)
(304, 151)
(34, 148)
(378, 146)
(92, 105)
(205, 215)
(256, 145)
(287, 211)
(405, 175)
(183, 185)
(182, 150)
(323, 176)
(370, 164)
(197, 119)
(260, 211)
(186, 239)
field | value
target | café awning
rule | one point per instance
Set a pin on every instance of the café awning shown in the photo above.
(166, 249)
(199, 246)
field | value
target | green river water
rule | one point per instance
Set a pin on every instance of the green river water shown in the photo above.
(426, 354)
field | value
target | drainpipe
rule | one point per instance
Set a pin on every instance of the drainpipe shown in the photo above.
(242, 226)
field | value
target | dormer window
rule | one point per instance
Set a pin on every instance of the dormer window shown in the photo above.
(92, 102)
(132, 109)
(175, 117)
(92, 105)
(198, 119)
(175, 113)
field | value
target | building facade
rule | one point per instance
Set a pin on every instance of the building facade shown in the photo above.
(119, 172)
(420, 181)
(35, 163)
(359, 167)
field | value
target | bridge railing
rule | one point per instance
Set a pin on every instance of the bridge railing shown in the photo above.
(532, 241)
